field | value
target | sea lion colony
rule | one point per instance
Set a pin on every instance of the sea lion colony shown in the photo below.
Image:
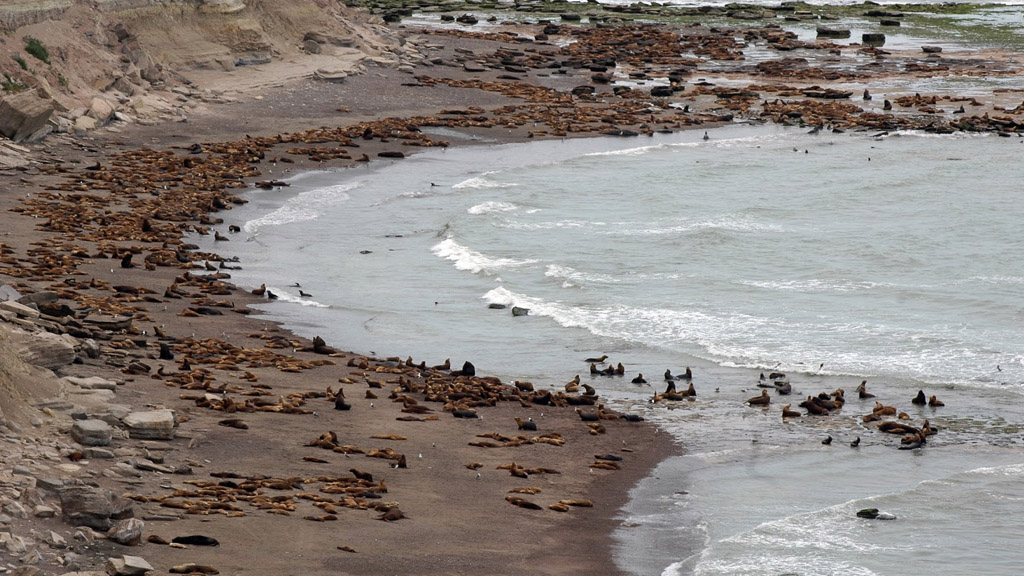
(144, 203)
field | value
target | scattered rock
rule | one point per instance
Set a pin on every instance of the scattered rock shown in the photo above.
(128, 566)
(127, 532)
(151, 425)
(24, 114)
(84, 505)
(91, 432)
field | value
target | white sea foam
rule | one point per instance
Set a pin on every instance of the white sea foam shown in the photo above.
(727, 223)
(491, 207)
(482, 182)
(573, 275)
(303, 207)
(556, 224)
(473, 261)
(813, 285)
(640, 151)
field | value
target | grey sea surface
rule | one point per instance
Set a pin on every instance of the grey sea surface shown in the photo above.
(835, 258)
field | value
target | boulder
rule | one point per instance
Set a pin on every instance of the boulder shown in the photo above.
(127, 532)
(24, 114)
(100, 110)
(98, 508)
(43, 349)
(150, 425)
(19, 309)
(91, 432)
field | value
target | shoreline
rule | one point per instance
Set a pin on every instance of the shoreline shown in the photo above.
(205, 447)
(481, 532)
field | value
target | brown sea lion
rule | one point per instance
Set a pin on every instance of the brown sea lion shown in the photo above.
(763, 400)
(787, 413)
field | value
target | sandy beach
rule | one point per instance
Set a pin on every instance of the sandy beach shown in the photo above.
(263, 459)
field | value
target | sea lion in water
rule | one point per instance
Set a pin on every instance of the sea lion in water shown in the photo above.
(920, 399)
(862, 390)
(933, 401)
(639, 379)
(597, 360)
(763, 400)
(787, 413)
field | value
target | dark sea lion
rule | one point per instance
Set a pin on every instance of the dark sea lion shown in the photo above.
(668, 375)
(195, 540)
(688, 375)
(639, 379)
(862, 391)
(126, 261)
(597, 360)
(165, 352)
(339, 401)
(593, 369)
(827, 440)
(526, 424)
(920, 399)
(856, 442)
(465, 414)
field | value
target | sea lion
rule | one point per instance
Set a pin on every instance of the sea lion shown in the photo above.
(933, 401)
(526, 424)
(920, 399)
(639, 379)
(392, 515)
(827, 440)
(597, 360)
(784, 388)
(855, 443)
(364, 476)
(787, 413)
(763, 400)
(165, 352)
(862, 391)
(620, 369)
(688, 375)
(195, 540)
(668, 375)
(593, 369)
(339, 401)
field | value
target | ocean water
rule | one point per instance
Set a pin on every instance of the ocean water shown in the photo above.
(836, 258)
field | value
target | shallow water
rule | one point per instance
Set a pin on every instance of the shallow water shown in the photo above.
(833, 257)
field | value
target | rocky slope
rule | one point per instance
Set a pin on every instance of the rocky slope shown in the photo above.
(98, 61)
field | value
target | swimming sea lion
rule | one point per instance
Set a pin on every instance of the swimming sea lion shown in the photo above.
(597, 360)
(639, 379)
(862, 391)
(933, 401)
(920, 399)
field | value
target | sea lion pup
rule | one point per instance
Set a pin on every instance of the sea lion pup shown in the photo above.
(862, 390)
(526, 424)
(763, 400)
(787, 413)
(339, 401)
(639, 379)
(933, 401)
(919, 399)
(597, 360)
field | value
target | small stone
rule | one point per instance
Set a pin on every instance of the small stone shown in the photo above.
(56, 540)
(98, 453)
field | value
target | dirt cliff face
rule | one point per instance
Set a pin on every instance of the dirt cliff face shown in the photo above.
(76, 50)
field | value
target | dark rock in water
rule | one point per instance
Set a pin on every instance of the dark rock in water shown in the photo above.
(661, 91)
(833, 32)
(874, 514)
(893, 23)
(517, 311)
(496, 306)
(931, 49)
(876, 39)
(467, 19)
